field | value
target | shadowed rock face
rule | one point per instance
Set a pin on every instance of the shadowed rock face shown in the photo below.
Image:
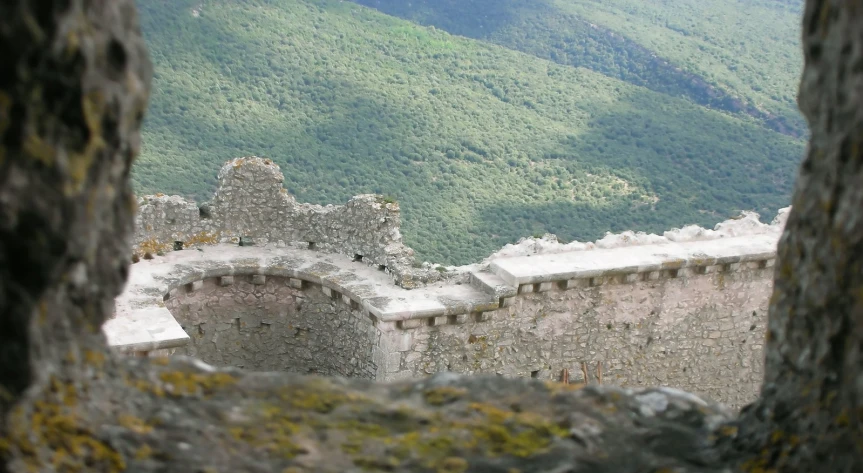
(72, 93)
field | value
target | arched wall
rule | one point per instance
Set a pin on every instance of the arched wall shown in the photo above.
(272, 323)
(683, 315)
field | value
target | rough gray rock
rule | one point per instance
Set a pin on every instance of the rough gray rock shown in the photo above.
(72, 95)
(810, 414)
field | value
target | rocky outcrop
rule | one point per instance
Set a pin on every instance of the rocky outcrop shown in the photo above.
(72, 97)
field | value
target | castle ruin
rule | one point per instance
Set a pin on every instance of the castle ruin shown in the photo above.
(254, 280)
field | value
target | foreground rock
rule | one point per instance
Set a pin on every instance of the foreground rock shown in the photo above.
(72, 95)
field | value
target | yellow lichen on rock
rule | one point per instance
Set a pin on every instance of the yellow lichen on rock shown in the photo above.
(153, 246)
(50, 435)
(443, 395)
(181, 383)
(202, 238)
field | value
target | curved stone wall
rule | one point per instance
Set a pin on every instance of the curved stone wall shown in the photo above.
(684, 315)
(263, 323)
(277, 285)
(271, 323)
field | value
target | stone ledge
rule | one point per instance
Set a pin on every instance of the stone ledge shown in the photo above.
(522, 271)
(362, 286)
(492, 284)
(144, 329)
(141, 321)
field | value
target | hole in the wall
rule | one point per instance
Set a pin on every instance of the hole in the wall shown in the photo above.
(754, 313)
(178, 245)
(358, 257)
(204, 212)
(534, 374)
(752, 327)
(237, 323)
(166, 296)
(464, 358)
(312, 245)
(382, 267)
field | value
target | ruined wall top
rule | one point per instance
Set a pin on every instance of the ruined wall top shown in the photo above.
(250, 207)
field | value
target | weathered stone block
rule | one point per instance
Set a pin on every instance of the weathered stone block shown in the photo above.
(405, 341)
(259, 279)
(412, 323)
(226, 280)
(577, 283)
(545, 286)
(458, 319)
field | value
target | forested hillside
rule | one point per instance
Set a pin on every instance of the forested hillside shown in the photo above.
(740, 56)
(479, 143)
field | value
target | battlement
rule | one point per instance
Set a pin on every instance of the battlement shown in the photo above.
(277, 285)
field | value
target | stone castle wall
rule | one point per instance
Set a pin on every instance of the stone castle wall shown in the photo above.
(251, 205)
(265, 323)
(684, 310)
(702, 333)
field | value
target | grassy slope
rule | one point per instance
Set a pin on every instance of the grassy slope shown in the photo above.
(480, 144)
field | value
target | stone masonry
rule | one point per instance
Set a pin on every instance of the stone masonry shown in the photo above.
(252, 207)
(700, 332)
(685, 310)
(76, 89)
(275, 324)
